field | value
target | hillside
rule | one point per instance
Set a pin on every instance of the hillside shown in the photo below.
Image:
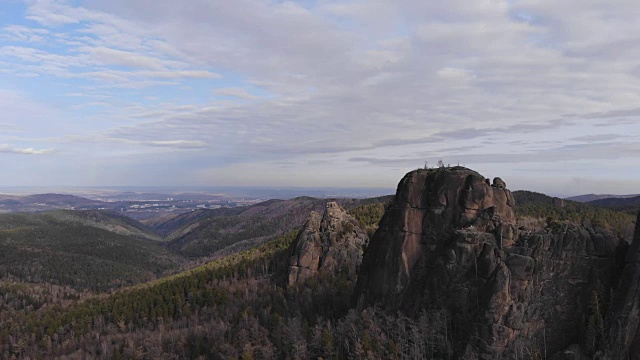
(236, 306)
(535, 210)
(203, 233)
(85, 250)
(593, 197)
(58, 199)
(230, 308)
(44, 202)
(107, 220)
(627, 204)
(168, 224)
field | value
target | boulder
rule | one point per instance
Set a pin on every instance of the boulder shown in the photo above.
(499, 183)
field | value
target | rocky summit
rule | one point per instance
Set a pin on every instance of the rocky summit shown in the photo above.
(449, 240)
(326, 245)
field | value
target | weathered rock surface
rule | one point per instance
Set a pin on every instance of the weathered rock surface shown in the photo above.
(625, 322)
(449, 240)
(329, 244)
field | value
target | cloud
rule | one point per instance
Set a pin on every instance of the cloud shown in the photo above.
(10, 128)
(23, 34)
(239, 93)
(175, 144)
(614, 114)
(180, 144)
(8, 149)
(567, 153)
(598, 137)
(106, 56)
(389, 84)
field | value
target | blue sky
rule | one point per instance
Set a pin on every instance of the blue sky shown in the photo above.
(545, 94)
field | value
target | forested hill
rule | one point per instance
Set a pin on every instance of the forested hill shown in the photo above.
(627, 204)
(231, 307)
(537, 209)
(44, 202)
(107, 220)
(203, 233)
(85, 250)
(165, 225)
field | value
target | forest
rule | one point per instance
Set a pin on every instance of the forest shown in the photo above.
(111, 296)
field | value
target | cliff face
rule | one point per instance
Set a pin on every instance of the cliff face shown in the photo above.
(332, 243)
(449, 240)
(625, 324)
(429, 206)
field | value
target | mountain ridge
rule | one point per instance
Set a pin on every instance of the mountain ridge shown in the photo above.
(593, 197)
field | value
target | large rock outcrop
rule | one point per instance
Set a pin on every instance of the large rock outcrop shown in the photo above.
(429, 206)
(625, 322)
(329, 244)
(449, 240)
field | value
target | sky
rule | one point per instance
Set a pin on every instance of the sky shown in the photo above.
(543, 93)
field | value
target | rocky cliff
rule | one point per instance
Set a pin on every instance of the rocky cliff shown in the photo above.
(625, 321)
(449, 240)
(329, 244)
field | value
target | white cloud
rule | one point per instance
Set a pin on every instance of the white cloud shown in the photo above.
(239, 93)
(388, 81)
(8, 149)
(106, 56)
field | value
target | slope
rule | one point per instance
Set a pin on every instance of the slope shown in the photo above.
(107, 220)
(593, 197)
(535, 210)
(204, 233)
(628, 204)
(85, 250)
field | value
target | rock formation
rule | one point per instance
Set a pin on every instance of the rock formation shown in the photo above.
(449, 240)
(557, 202)
(625, 324)
(329, 244)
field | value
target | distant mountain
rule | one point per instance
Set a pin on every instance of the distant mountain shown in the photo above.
(44, 202)
(535, 209)
(617, 201)
(630, 205)
(57, 199)
(593, 197)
